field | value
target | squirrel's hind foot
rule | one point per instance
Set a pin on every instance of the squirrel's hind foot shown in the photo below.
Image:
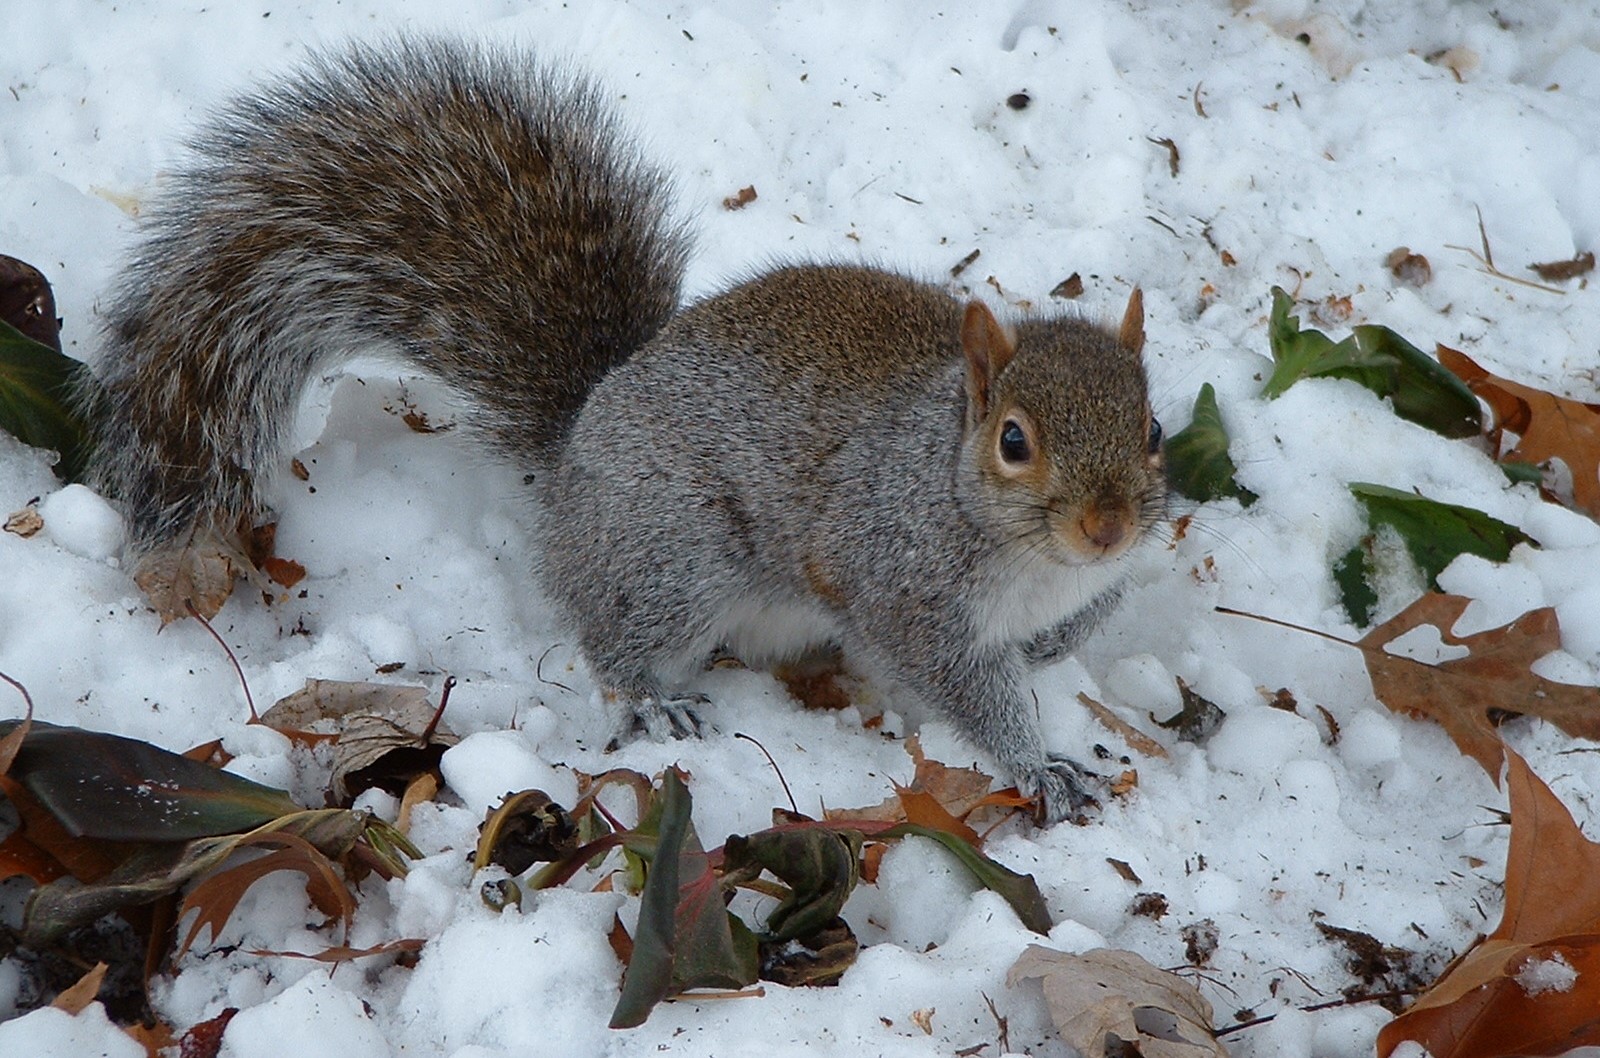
(660, 717)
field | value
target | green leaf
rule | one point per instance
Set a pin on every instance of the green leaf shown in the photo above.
(1353, 574)
(818, 864)
(1018, 890)
(685, 937)
(1520, 473)
(35, 387)
(1198, 464)
(1435, 533)
(112, 788)
(1420, 389)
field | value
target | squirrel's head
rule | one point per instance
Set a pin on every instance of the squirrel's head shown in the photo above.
(1061, 451)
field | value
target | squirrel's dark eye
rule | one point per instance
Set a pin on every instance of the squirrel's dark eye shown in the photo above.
(1013, 443)
(1155, 436)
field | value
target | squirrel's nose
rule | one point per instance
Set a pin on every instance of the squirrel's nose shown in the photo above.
(1106, 525)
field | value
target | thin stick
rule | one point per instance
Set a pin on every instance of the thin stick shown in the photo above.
(1376, 997)
(776, 770)
(1285, 624)
(249, 700)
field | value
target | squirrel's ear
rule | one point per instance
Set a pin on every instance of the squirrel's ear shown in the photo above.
(1131, 335)
(988, 349)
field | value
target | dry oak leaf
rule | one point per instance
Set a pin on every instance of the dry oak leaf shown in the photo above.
(1104, 996)
(1487, 1004)
(1547, 426)
(1460, 693)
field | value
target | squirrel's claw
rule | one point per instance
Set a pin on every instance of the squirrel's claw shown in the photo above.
(661, 718)
(1062, 792)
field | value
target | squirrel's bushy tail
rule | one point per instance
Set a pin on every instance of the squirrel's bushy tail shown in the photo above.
(464, 209)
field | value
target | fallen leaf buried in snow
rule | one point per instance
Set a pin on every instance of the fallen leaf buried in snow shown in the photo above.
(1105, 995)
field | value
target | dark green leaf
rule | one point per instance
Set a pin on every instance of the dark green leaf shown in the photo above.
(121, 789)
(1018, 890)
(648, 978)
(685, 937)
(1198, 464)
(1353, 574)
(35, 387)
(1308, 354)
(1435, 533)
(1422, 391)
(1519, 473)
(1376, 357)
(818, 864)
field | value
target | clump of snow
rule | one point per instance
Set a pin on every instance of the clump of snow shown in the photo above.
(1539, 976)
(82, 523)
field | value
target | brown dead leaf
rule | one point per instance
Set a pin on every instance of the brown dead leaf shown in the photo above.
(923, 1019)
(387, 734)
(220, 892)
(157, 1038)
(1107, 1002)
(1496, 676)
(1558, 271)
(24, 523)
(21, 857)
(740, 199)
(422, 789)
(1486, 1005)
(1070, 287)
(1410, 268)
(75, 999)
(200, 572)
(1547, 426)
(204, 1039)
(284, 571)
(958, 792)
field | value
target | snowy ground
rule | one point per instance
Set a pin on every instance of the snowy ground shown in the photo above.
(880, 132)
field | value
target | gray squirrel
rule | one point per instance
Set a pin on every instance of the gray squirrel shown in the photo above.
(825, 456)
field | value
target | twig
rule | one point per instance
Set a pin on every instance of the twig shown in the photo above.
(1376, 997)
(1486, 258)
(249, 700)
(538, 670)
(776, 770)
(438, 714)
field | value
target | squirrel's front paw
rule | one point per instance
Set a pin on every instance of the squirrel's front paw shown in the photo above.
(661, 718)
(1062, 792)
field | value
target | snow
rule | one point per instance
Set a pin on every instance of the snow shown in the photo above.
(881, 133)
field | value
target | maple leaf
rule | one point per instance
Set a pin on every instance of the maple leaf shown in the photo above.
(1488, 1004)
(1496, 676)
(1548, 426)
(938, 796)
